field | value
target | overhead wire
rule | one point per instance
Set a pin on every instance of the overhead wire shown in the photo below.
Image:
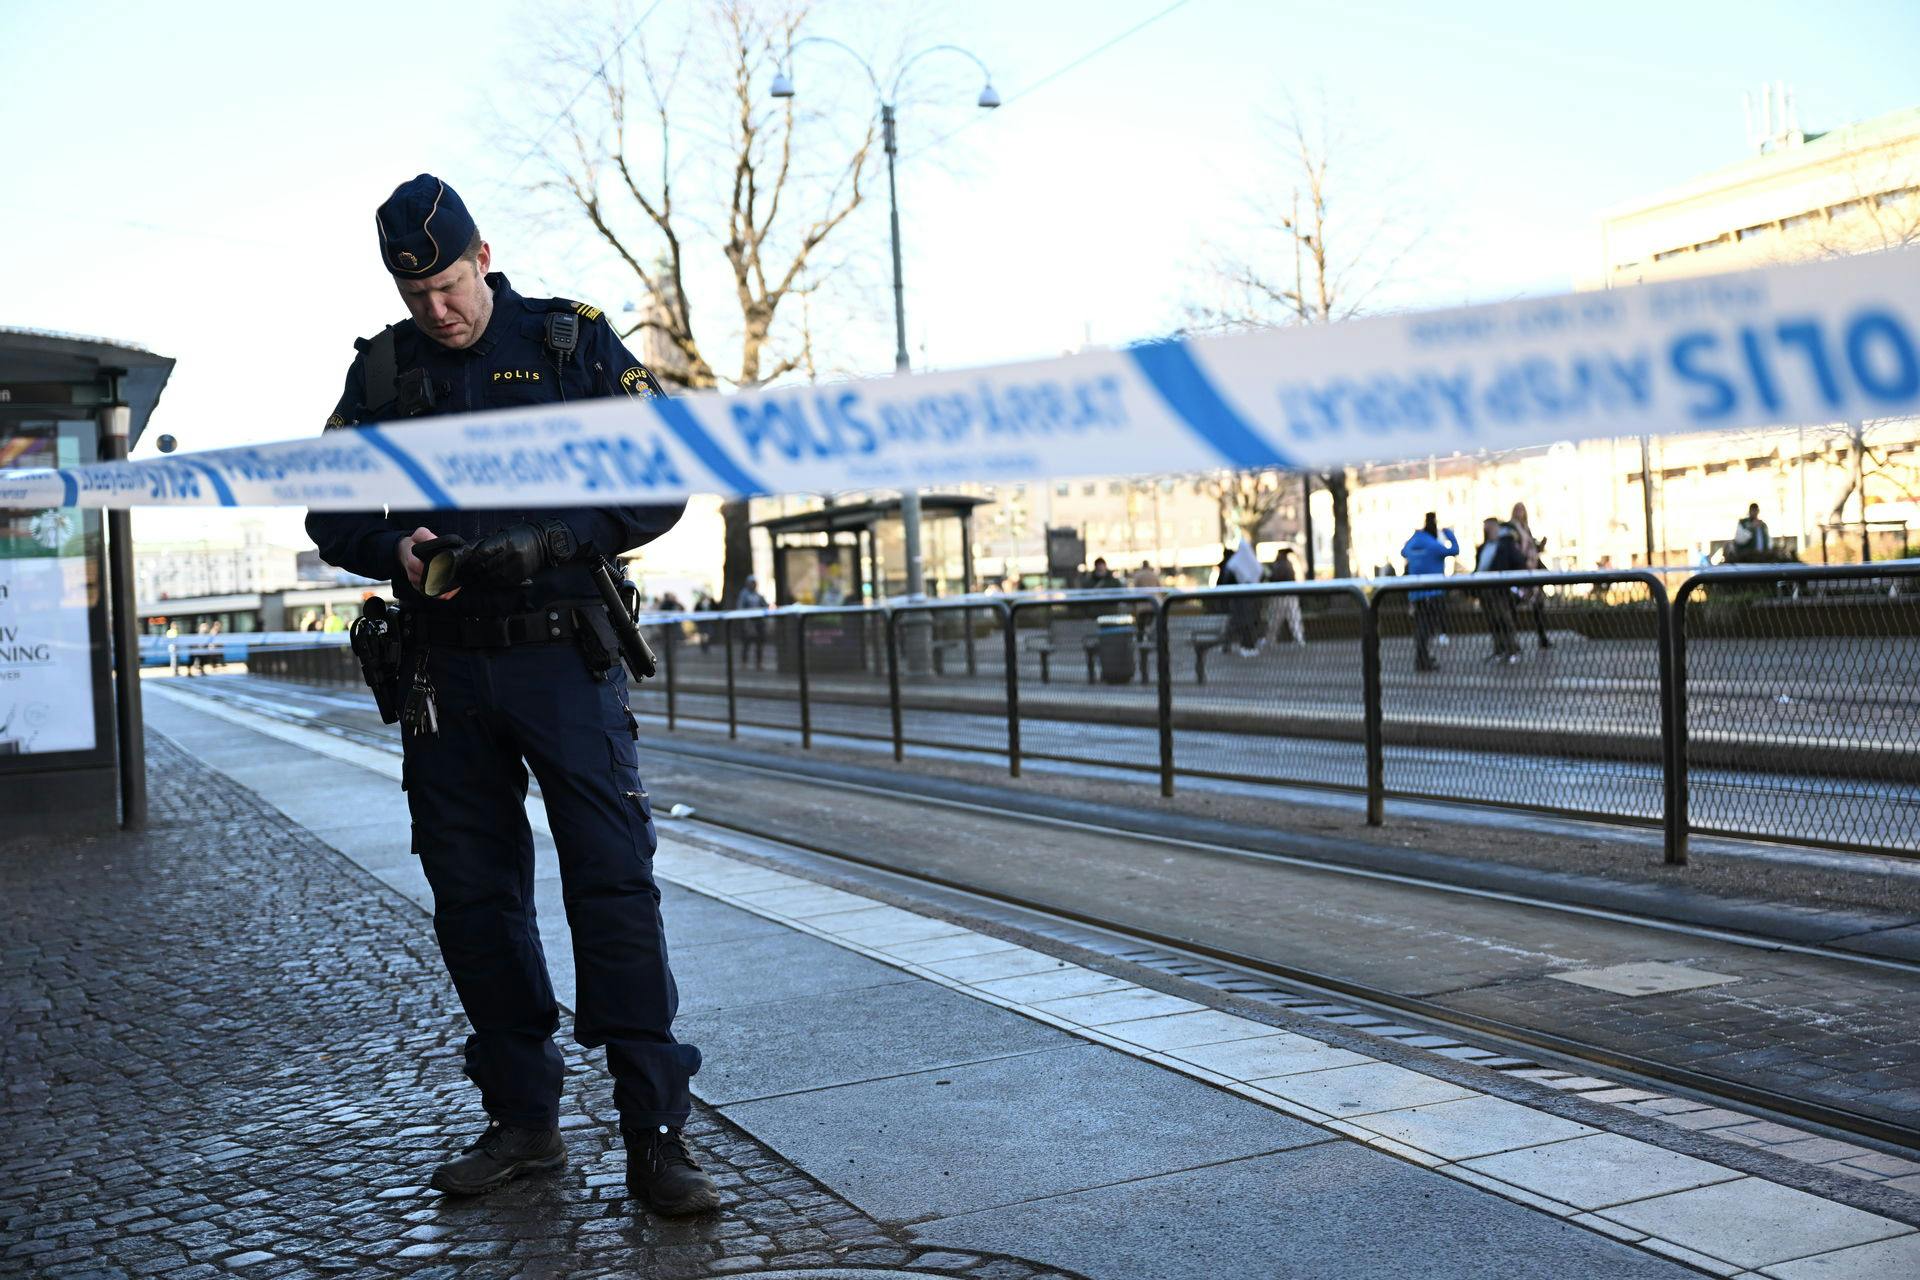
(1059, 71)
(560, 115)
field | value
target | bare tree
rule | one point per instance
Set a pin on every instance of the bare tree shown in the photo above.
(1250, 500)
(1332, 276)
(761, 190)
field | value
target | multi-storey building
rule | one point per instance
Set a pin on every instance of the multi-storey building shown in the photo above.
(1799, 195)
(233, 561)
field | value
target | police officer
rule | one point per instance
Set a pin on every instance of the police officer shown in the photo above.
(505, 673)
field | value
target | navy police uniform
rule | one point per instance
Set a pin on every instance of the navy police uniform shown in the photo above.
(514, 693)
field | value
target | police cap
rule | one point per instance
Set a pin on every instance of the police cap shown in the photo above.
(424, 228)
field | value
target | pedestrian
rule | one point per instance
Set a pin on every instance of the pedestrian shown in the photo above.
(1102, 578)
(202, 652)
(1145, 578)
(1426, 554)
(509, 670)
(1242, 566)
(753, 631)
(703, 629)
(1533, 552)
(1751, 539)
(1499, 552)
(1284, 610)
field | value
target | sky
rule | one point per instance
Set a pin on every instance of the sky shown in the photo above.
(198, 178)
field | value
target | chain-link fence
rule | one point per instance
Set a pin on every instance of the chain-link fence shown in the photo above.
(1265, 684)
(1800, 709)
(842, 663)
(1777, 702)
(1085, 680)
(950, 688)
(1531, 690)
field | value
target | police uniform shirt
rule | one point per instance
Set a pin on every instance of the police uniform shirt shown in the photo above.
(509, 366)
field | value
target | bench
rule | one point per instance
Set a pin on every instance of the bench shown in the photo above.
(1212, 638)
(1066, 634)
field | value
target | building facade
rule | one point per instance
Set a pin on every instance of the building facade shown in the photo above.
(1838, 492)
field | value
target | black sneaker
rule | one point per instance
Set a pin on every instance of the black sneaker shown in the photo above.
(497, 1157)
(662, 1173)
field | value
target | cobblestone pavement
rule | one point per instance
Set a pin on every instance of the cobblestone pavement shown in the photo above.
(229, 1052)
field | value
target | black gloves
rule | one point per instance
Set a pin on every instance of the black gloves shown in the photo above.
(514, 554)
(504, 558)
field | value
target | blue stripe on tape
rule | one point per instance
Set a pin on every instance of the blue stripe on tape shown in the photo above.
(429, 487)
(220, 489)
(1171, 368)
(695, 437)
(71, 488)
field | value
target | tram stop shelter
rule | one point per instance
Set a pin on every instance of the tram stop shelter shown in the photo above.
(71, 751)
(856, 554)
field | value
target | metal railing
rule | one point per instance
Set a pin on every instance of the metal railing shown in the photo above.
(1777, 702)
(1799, 686)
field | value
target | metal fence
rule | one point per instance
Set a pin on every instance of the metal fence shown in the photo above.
(1801, 706)
(1779, 702)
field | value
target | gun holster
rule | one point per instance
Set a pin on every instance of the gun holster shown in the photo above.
(599, 642)
(376, 640)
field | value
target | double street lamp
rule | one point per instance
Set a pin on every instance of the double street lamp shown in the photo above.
(988, 100)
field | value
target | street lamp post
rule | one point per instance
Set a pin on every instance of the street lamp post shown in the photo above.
(988, 100)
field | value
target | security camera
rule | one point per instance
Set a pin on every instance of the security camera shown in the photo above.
(167, 444)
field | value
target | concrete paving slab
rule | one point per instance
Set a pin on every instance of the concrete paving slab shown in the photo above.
(912, 930)
(748, 879)
(804, 901)
(1647, 979)
(1363, 1090)
(1125, 1005)
(1011, 1130)
(1602, 1170)
(1330, 1210)
(377, 846)
(849, 1036)
(1016, 962)
(840, 922)
(1276, 1053)
(1754, 1223)
(1711, 1118)
(1471, 1127)
(1053, 986)
(693, 920)
(782, 966)
(1880, 1260)
(953, 947)
(1188, 1030)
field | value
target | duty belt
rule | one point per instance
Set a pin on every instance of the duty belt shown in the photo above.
(543, 626)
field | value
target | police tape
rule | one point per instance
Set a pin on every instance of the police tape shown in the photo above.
(1820, 342)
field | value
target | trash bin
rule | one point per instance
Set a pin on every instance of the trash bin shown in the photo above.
(1115, 637)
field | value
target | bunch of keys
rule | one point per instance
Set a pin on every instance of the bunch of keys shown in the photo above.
(418, 714)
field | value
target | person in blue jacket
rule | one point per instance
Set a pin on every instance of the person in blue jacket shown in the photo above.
(516, 670)
(1426, 554)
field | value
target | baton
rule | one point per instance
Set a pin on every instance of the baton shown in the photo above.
(633, 645)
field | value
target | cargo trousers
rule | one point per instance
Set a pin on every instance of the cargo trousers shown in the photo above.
(505, 712)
